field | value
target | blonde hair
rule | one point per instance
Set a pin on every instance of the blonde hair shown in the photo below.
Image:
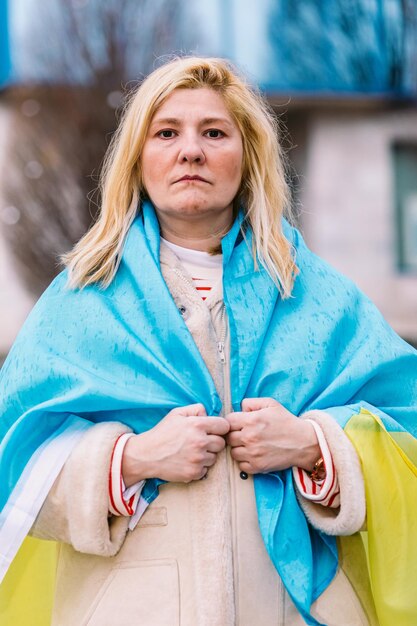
(264, 191)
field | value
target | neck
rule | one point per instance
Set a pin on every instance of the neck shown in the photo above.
(196, 234)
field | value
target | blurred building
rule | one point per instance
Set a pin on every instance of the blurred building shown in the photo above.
(357, 167)
(344, 80)
(15, 303)
(350, 90)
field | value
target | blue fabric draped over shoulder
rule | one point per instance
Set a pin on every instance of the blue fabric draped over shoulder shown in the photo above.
(326, 347)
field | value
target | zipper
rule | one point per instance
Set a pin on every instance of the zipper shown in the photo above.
(221, 343)
(220, 348)
(225, 366)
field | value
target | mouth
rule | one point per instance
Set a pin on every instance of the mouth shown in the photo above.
(192, 178)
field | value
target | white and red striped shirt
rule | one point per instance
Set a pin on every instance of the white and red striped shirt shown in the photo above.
(325, 491)
(204, 268)
(122, 501)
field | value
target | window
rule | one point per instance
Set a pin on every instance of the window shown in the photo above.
(405, 170)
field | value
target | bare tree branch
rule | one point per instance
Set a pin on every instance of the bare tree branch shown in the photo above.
(60, 130)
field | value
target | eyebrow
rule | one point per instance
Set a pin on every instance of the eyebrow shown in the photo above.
(177, 122)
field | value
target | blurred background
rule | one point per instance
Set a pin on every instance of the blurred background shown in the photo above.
(340, 74)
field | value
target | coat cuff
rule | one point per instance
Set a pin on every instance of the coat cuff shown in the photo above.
(325, 491)
(350, 517)
(122, 500)
(76, 509)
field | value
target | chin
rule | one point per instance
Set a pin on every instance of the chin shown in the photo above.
(191, 207)
(194, 209)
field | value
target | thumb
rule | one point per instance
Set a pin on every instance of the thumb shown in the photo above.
(256, 404)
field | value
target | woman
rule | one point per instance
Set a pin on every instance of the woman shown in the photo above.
(191, 329)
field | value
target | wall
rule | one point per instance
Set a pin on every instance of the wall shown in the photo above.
(15, 302)
(349, 208)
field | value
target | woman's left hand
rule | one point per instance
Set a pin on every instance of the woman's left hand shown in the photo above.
(265, 437)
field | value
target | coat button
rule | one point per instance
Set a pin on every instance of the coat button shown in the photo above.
(243, 475)
(182, 310)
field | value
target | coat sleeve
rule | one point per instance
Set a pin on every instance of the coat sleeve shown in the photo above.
(76, 510)
(350, 516)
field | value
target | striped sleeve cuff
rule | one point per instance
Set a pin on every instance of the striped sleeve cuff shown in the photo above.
(122, 501)
(326, 491)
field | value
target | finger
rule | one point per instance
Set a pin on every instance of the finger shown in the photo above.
(210, 459)
(234, 438)
(256, 404)
(191, 410)
(217, 426)
(246, 467)
(204, 473)
(239, 454)
(215, 443)
(236, 420)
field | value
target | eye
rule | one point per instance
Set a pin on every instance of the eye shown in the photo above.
(214, 133)
(166, 134)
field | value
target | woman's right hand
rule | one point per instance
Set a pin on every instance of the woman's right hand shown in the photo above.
(180, 448)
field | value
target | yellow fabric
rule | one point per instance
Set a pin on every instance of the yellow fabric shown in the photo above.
(353, 561)
(26, 593)
(391, 500)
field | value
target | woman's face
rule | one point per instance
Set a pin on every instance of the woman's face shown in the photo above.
(192, 156)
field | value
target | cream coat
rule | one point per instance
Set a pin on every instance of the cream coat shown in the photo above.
(196, 557)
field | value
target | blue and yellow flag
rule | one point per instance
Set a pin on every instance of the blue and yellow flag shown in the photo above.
(389, 462)
(26, 593)
(325, 348)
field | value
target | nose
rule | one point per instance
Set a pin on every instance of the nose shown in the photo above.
(191, 149)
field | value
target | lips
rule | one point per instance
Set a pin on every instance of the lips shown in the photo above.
(185, 178)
